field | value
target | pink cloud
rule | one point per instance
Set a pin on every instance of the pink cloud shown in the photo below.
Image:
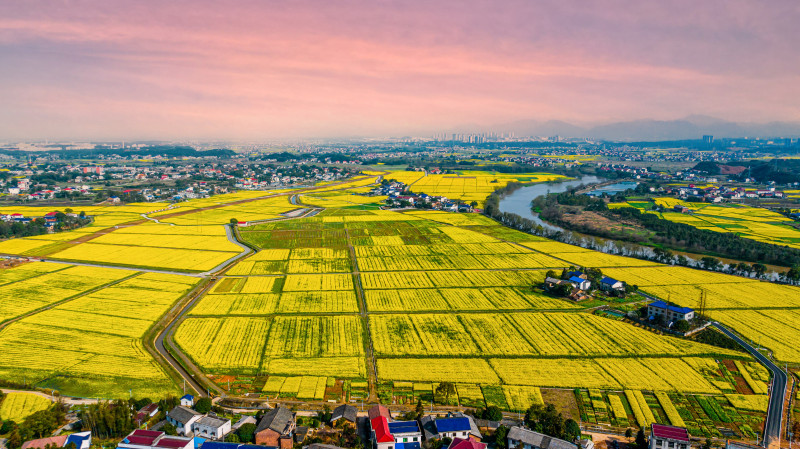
(263, 69)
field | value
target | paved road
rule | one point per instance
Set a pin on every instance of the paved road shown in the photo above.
(232, 239)
(159, 344)
(774, 423)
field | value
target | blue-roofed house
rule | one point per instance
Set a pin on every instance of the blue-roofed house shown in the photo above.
(405, 432)
(608, 284)
(187, 400)
(669, 312)
(223, 445)
(453, 427)
(580, 283)
(82, 440)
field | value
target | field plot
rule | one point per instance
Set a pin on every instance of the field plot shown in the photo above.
(17, 406)
(145, 256)
(752, 222)
(38, 290)
(447, 298)
(233, 344)
(91, 345)
(760, 311)
(520, 334)
(469, 187)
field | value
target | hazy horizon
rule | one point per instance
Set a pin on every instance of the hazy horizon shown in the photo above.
(252, 70)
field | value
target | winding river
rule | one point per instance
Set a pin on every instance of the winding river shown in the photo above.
(519, 202)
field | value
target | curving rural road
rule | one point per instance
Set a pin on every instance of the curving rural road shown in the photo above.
(174, 363)
(777, 395)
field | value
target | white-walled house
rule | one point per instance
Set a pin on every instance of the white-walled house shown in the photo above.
(211, 427)
(182, 418)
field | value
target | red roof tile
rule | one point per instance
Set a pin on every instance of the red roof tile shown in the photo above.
(669, 432)
(459, 443)
(379, 410)
(381, 428)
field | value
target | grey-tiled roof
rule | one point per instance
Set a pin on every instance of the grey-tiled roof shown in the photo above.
(429, 427)
(212, 421)
(345, 411)
(278, 419)
(538, 440)
(182, 414)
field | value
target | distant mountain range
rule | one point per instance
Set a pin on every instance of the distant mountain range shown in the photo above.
(691, 127)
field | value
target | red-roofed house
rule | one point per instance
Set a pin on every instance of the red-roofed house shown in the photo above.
(668, 437)
(469, 443)
(382, 438)
(41, 443)
(379, 410)
(151, 439)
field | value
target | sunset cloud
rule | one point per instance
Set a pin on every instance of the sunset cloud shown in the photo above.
(262, 69)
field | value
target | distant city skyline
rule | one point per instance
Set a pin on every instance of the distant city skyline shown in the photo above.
(253, 69)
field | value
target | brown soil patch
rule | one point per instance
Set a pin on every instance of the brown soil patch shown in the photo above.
(741, 385)
(11, 263)
(564, 400)
(593, 220)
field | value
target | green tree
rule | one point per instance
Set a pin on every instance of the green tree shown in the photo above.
(247, 433)
(420, 409)
(628, 433)
(232, 438)
(446, 389)
(759, 269)
(14, 439)
(681, 326)
(493, 413)
(7, 426)
(233, 221)
(711, 263)
(203, 405)
(501, 437)
(572, 431)
(641, 440)
(707, 444)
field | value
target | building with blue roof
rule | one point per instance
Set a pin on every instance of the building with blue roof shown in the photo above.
(608, 284)
(581, 283)
(222, 445)
(453, 427)
(187, 400)
(669, 312)
(405, 432)
(82, 440)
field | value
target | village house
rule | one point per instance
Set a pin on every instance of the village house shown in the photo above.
(245, 419)
(43, 443)
(152, 439)
(453, 427)
(459, 443)
(276, 428)
(148, 411)
(182, 418)
(344, 415)
(187, 400)
(669, 312)
(608, 284)
(81, 440)
(223, 445)
(519, 437)
(407, 434)
(381, 436)
(668, 437)
(211, 427)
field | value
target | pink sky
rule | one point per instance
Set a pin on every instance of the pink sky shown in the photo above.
(263, 69)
